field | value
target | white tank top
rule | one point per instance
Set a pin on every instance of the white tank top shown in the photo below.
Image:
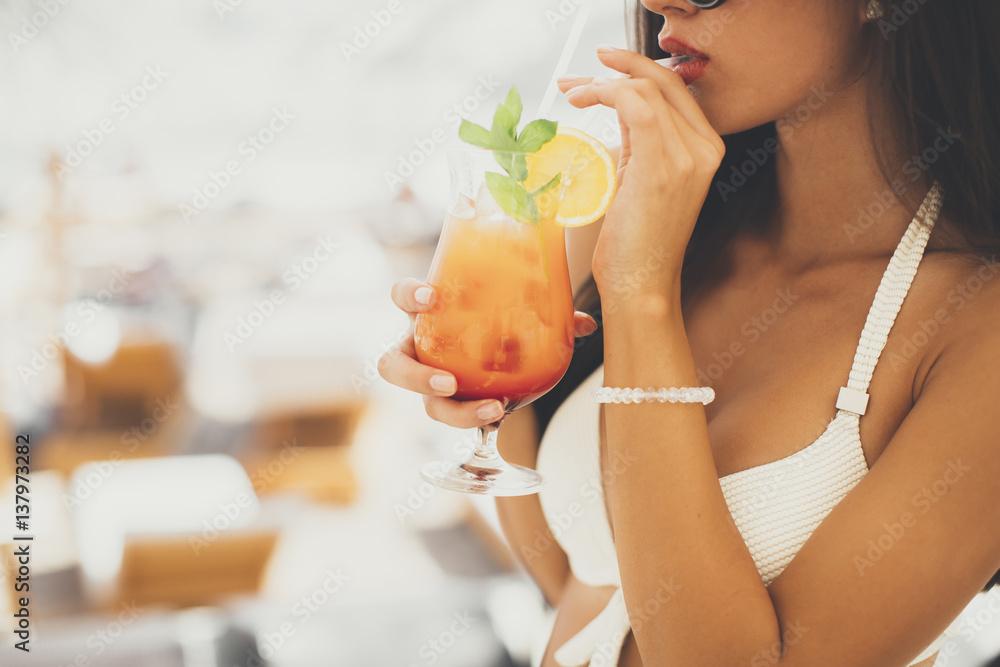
(776, 506)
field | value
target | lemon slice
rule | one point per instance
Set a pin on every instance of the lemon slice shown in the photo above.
(588, 177)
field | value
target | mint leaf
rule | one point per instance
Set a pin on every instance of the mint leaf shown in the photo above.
(553, 182)
(536, 134)
(502, 188)
(509, 150)
(505, 160)
(513, 104)
(504, 128)
(505, 120)
(511, 196)
(477, 135)
(520, 165)
(514, 164)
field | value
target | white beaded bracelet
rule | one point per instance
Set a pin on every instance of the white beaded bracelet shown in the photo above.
(704, 395)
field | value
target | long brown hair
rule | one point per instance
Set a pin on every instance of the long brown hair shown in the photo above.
(942, 64)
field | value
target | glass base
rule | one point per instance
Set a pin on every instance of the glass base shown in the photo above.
(499, 478)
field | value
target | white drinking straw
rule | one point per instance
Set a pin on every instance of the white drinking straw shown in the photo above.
(568, 50)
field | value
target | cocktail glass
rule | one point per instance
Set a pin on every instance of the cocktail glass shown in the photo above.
(502, 321)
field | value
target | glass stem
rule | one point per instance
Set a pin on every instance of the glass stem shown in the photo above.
(485, 452)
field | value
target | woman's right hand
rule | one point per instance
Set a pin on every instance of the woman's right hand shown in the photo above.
(400, 366)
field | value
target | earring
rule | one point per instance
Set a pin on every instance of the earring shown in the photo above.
(874, 10)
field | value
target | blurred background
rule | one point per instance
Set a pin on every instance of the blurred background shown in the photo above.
(204, 205)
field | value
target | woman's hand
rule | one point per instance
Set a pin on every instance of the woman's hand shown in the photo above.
(669, 154)
(401, 368)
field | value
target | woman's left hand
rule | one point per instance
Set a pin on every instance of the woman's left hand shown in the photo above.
(669, 154)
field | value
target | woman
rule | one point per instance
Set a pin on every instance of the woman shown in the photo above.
(753, 264)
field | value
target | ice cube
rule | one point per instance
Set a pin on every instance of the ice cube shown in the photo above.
(486, 206)
(487, 210)
(463, 207)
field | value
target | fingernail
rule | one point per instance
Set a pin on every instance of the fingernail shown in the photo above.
(423, 295)
(569, 77)
(589, 328)
(489, 412)
(442, 382)
(606, 48)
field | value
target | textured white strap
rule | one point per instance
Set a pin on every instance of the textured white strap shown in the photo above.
(600, 641)
(888, 300)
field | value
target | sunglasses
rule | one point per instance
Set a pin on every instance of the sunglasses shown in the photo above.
(706, 4)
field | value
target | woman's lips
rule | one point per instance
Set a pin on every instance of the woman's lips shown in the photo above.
(686, 60)
(677, 47)
(691, 71)
(689, 67)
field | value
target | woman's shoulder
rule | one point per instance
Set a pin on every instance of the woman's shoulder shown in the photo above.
(958, 309)
(964, 280)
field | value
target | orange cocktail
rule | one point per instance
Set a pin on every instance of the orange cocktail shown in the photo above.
(503, 319)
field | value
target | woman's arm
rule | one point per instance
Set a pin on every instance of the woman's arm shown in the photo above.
(932, 496)
(933, 492)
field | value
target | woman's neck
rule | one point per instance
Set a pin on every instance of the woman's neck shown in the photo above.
(832, 202)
